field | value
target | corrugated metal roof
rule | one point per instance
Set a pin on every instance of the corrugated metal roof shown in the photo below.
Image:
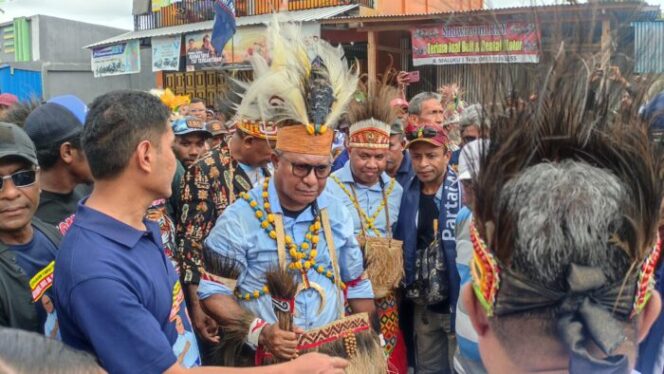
(649, 47)
(307, 15)
(494, 11)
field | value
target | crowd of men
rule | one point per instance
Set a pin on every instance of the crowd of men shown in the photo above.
(151, 237)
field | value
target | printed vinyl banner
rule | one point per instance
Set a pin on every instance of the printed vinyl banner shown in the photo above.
(247, 41)
(166, 53)
(476, 44)
(118, 59)
(200, 52)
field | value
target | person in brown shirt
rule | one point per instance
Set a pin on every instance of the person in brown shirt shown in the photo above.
(210, 185)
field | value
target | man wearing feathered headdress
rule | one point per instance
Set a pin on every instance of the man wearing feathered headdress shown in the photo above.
(565, 235)
(288, 221)
(374, 199)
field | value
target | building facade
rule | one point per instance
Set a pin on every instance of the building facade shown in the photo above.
(43, 56)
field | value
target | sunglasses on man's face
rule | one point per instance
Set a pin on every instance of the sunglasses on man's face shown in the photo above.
(20, 179)
(302, 170)
(422, 132)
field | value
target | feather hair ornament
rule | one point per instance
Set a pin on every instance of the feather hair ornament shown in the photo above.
(565, 125)
(377, 106)
(298, 89)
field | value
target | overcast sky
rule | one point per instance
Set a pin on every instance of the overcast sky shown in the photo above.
(117, 13)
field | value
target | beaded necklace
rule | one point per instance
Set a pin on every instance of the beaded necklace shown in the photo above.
(303, 257)
(369, 222)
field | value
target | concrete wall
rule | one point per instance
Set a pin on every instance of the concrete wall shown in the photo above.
(62, 40)
(77, 79)
(65, 65)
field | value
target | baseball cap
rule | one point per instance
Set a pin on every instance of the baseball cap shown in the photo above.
(432, 134)
(216, 127)
(8, 99)
(51, 123)
(74, 104)
(470, 157)
(396, 127)
(15, 142)
(189, 125)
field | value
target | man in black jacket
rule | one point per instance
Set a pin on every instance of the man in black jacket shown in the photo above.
(27, 245)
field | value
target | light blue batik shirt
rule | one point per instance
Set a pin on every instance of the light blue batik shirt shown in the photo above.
(369, 199)
(237, 235)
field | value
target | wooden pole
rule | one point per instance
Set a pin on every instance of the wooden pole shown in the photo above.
(606, 43)
(372, 51)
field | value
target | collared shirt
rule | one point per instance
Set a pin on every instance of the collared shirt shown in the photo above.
(405, 171)
(341, 160)
(206, 192)
(369, 198)
(255, 174)
(238, 236)
(118, 296)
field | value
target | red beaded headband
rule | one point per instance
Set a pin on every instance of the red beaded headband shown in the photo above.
(485, 271)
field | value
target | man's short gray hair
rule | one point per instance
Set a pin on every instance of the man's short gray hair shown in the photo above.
(565, 213)
(415, 104)
(474, 115)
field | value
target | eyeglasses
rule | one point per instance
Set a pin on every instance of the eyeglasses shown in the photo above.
(23, 178)
(303, 170)
(468, 139)
(422, 132)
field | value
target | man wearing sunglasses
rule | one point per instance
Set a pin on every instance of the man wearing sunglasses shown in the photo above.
(28, 246)
(296, 193)
(426, 225)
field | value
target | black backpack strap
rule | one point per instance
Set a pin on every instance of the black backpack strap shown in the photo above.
(51, 232)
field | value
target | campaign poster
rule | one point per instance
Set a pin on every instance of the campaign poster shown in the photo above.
(201, 54)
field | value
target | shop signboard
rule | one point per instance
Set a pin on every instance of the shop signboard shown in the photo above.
(512, 42)
(166, 53)
(117, 59)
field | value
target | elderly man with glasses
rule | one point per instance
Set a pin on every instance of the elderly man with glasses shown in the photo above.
(289, 222)
(27, 245)
(295, 193)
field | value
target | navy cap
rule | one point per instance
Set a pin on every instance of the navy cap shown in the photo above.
(74, 104)
(190, 125)
(51, 123)
(15, 142)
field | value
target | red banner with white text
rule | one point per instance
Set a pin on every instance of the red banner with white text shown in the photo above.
(476, 44)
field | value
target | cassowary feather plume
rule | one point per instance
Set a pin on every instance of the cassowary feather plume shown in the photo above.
(567, 123)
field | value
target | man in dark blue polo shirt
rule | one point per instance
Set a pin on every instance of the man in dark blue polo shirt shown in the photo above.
(116, 293)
